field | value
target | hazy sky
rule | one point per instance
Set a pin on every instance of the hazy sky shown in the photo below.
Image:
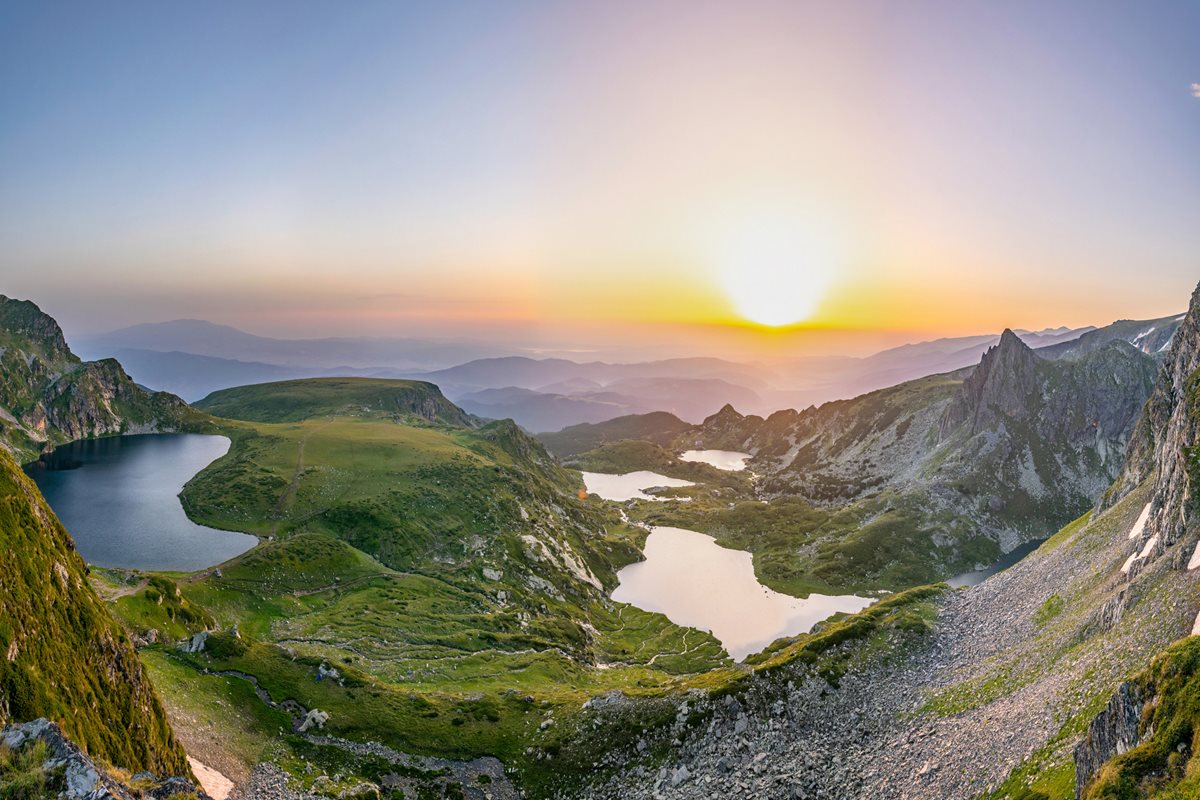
(554, 169)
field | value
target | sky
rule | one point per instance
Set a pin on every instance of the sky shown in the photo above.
(794, 174)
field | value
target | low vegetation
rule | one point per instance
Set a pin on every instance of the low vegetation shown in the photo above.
(64, 657)
(23, 774)
(1166, 764)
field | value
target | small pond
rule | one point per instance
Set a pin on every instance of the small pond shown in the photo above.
(630, 486)
(729, 460)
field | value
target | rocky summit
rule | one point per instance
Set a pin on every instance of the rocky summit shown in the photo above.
(49, 396)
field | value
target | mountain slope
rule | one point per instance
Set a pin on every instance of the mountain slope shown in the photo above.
(64, 656)
(658, 427)
(1152, 715)
(1020, 688)
(929, 478)
(48, 396)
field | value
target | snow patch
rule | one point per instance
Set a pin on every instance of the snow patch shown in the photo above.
(1140, 525)
(1195, 562)
(1148, 548)
(1143, 335)
(214, 784)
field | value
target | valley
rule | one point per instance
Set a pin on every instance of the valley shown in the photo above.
(467, 614)
(599, 400)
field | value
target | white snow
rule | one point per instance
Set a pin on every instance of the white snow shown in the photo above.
(1140, 525)
(1149, 547)
(1195, 562)
(1196, 626)
(1139, 556)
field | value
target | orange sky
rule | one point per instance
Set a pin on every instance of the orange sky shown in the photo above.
(599, 174)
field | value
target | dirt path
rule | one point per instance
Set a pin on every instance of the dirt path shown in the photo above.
(290, 491)
(109, 593)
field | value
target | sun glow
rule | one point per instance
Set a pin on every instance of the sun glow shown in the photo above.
(774, 272)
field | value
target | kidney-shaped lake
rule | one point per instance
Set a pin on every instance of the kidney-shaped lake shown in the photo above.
(119, 499)
(695, 582)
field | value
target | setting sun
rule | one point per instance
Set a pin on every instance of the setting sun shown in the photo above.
(774, 272)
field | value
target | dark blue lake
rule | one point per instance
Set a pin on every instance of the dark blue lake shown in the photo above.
(1010, 559)
(119, 499)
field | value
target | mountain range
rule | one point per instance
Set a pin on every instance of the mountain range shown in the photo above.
(435, 588)
(193, 358)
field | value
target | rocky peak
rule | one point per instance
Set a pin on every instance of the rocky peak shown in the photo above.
(728, 415)
(1165, 443)
(1002, 384)
(23, 319)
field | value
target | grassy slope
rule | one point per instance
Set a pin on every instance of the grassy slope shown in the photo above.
(65, 657)
(298, 400)
(383, 532)
(1166, 765)
(658, 427)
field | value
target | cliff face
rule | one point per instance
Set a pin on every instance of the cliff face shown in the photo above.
(1115, 730)
(1144, 713)
(48, 396)
(1164, 448)
(61, 655)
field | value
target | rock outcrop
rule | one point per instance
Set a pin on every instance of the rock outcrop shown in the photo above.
(1115, 730)
(999, 388)
(76, 776)
(48, 396)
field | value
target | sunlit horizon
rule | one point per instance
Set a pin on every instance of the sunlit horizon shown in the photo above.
(829, 178)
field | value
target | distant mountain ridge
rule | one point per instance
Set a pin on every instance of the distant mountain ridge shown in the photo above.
(199, 337)
(193, 358)
(940, 470)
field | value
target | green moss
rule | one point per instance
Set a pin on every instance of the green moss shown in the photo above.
(1049, 609)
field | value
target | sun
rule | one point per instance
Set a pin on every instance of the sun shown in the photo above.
(774, 272)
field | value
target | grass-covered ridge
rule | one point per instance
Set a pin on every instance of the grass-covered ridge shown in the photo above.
(64, 657)
(299, 400)
(454, 576)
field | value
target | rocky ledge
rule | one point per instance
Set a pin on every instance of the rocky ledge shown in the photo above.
(73, 775)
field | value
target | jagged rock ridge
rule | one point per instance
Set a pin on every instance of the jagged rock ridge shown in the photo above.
(48, 396)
